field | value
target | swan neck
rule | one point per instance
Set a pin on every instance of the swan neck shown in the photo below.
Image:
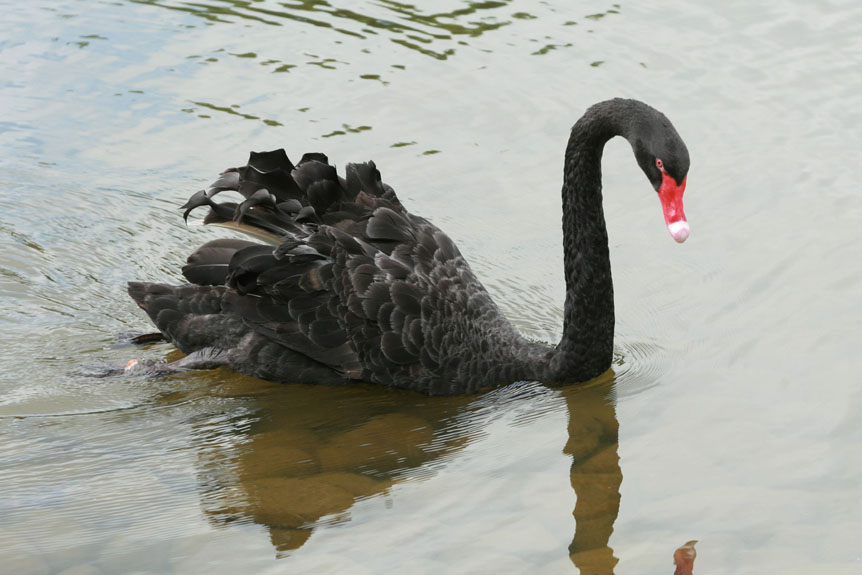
(586, 348)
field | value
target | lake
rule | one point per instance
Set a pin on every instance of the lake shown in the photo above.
(731, 414)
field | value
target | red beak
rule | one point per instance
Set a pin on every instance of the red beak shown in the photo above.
(670, 194)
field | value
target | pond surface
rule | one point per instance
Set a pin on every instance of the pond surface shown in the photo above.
(731, 415)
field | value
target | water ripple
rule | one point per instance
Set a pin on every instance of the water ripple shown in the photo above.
(436, 34)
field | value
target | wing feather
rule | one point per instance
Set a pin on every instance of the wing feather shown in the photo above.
(353, 281)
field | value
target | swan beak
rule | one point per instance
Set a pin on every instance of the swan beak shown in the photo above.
(670, 195)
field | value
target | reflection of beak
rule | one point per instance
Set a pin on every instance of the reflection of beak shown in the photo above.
(684, 558)
(670, 194)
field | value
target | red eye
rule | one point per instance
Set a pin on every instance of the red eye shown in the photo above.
(659, 164)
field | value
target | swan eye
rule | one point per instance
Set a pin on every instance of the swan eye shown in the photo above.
(659, 164)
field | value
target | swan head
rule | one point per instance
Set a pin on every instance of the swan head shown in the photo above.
(663, 157)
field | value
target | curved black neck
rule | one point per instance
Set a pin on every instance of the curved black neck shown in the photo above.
(586, 348)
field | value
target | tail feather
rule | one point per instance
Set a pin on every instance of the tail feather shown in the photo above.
(189, 316)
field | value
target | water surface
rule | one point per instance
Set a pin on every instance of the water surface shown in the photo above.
(731, 415)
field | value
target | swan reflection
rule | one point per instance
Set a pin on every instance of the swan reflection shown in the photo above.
(595, 474)
(312, 452)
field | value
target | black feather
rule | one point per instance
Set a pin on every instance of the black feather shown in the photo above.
(407, 298)
(308, 173)
(307, 215)
(267, 161)
(384, 314)
(313, 157)
(261, 197)
(197, 200)
(394, 350)
(385, 224)
(208, 265)
(228, 180)
(376, 295)
(246, 265)
(304, 303)
(392, 267)
(364, 178)
(321, 194)
(327, 333)
(290, 206)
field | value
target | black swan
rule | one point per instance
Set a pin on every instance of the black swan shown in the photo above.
(350, 286)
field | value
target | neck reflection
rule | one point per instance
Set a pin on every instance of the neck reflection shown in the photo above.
(595, 474)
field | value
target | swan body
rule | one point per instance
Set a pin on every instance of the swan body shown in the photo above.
(344, 284)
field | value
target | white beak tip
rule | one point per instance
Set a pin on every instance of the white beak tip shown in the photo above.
(679, 230)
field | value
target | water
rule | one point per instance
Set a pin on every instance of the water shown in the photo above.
(731, 415)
